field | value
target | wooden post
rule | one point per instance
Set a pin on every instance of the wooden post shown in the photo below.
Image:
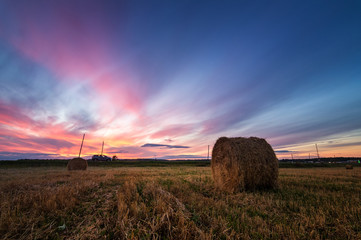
(102, 149)
(208, 153)
(318, 155)
(81, 146)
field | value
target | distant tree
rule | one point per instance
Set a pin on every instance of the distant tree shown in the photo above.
(114, 158)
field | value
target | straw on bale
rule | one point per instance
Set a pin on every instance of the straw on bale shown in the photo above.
(77, 164)
(244, 164)
(349, 167)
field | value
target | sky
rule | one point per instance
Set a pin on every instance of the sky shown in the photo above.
(165, 79)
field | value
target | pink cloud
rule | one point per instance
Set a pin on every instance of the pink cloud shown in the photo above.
(77, 47)
(60, 38)
(173, 131)
(11, 115)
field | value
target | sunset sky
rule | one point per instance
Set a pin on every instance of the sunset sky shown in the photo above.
(166, 79)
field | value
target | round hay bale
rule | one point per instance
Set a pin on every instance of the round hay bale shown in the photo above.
(349, 167)
(77, 164)
(244, 164)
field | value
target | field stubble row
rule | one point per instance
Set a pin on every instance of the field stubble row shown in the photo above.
(176, 203)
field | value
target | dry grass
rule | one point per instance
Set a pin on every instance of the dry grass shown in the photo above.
(176, 203)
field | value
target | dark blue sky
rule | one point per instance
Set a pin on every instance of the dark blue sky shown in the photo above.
(179, 73)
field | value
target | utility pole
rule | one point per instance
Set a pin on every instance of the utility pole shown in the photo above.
(292, 156)
(318, 155)
(208, 153)
(81, 146)
(102, 149)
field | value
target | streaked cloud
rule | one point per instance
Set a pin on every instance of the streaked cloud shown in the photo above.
(162, 145)
(26, 155)
(172, 157)
(340, 145)
(283, 151)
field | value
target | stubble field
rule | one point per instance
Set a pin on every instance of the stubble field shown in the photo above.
(176, 202)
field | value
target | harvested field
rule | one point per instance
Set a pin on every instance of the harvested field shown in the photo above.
(176, 202)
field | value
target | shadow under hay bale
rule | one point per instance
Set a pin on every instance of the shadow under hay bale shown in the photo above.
(244, 164)
(349, 167)
(77, 164)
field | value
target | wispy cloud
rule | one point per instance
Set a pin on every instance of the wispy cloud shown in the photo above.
(283, 151)
(163, 145)
(184, 156)
(116, 150)
(26, 155)
(344, 145)
(173, 131)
